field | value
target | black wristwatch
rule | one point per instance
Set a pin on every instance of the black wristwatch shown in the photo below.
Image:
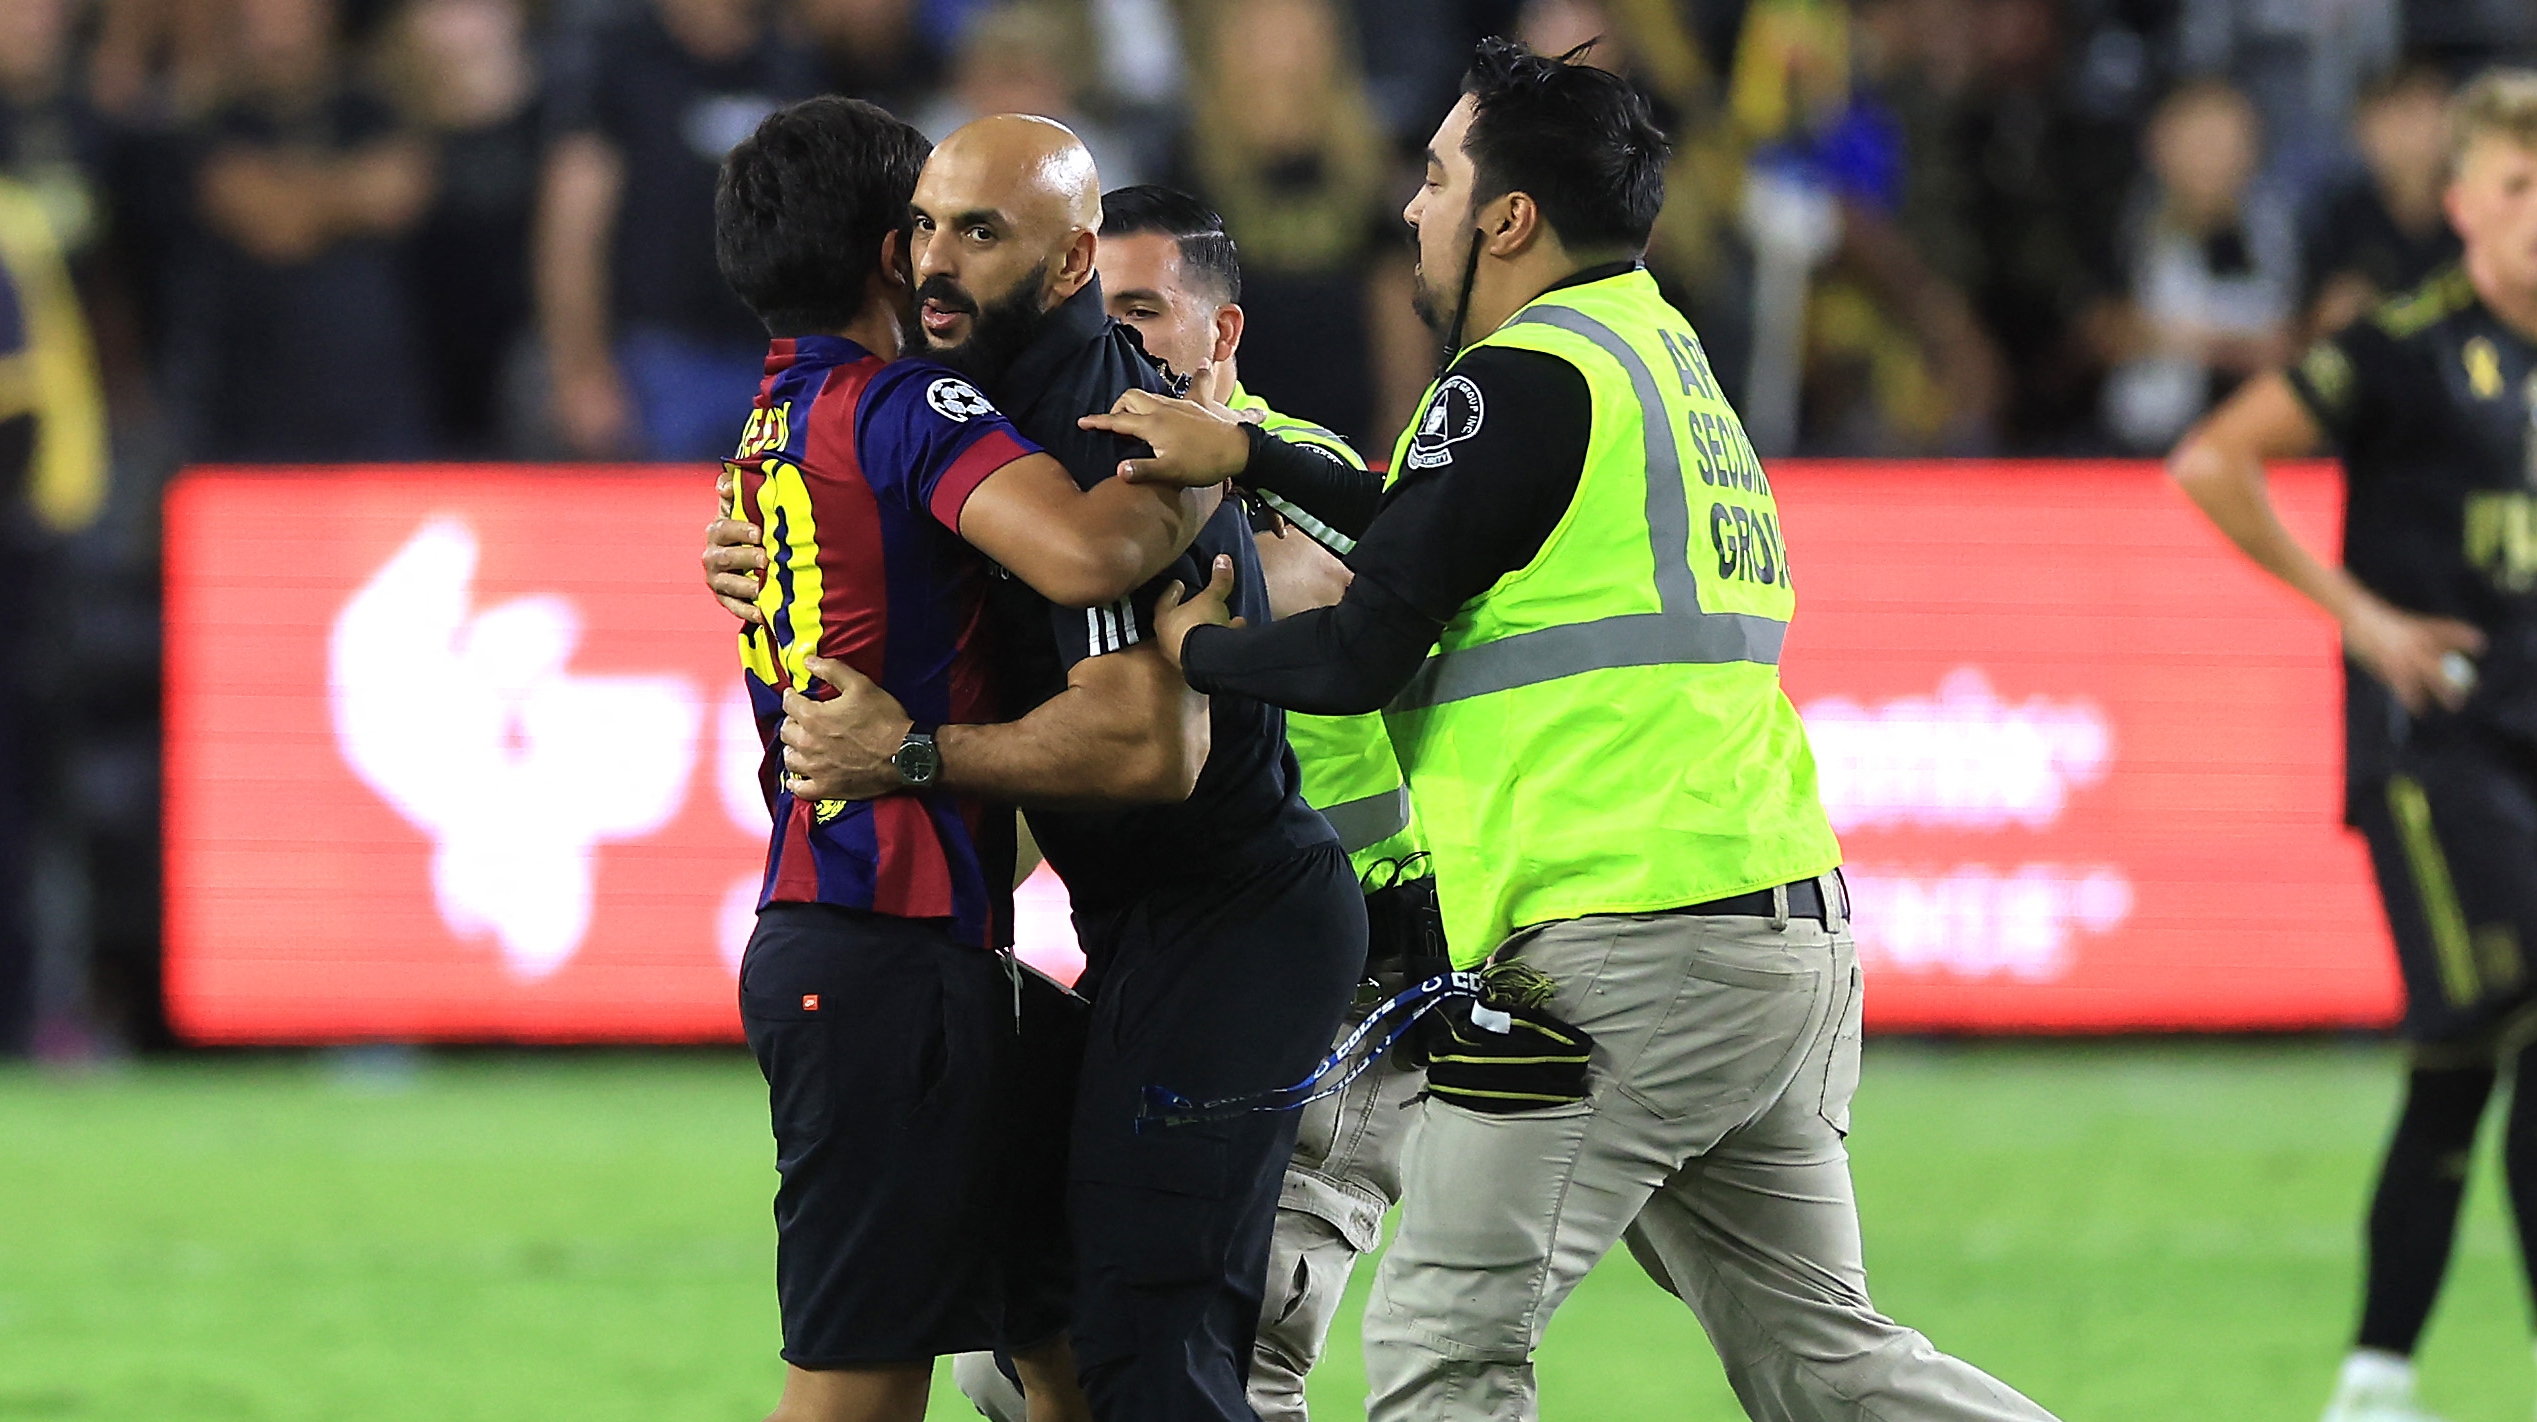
(919, 760)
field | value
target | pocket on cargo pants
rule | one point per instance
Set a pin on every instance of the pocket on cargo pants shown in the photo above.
(1841, 1065)
(1731, 1028)
(1481, 1204)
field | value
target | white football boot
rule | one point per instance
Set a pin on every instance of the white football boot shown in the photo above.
(2375, 1387)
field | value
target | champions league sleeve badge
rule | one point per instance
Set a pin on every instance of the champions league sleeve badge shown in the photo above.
(1452, 417)
(957, 400)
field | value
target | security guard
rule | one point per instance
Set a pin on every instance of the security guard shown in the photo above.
(1169, 272)
(2432, 404)
(1619, 797)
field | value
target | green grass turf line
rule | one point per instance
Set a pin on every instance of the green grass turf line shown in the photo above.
(2131, 1230)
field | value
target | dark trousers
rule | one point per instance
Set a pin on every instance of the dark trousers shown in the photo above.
(1209, 990)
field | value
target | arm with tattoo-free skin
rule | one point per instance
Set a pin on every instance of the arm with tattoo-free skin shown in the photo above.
(1080, 547)
(1075, 547)
(1301, 574)
(1126, 730)
(2220, 465)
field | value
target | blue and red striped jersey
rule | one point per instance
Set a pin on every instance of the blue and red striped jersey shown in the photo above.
(855, 470)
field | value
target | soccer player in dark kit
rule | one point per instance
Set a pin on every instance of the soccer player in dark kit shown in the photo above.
(2432, 404)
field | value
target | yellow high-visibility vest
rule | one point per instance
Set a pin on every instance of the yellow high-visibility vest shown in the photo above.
(1603, 730)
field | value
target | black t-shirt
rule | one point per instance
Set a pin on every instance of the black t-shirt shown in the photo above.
(671, 117)
(314, 360)
(469, 268)
(2354, 232)
(1248, 806)
(2428, 402)
(1492, 471)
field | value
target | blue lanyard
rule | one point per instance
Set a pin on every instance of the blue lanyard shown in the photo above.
(1162, 1106)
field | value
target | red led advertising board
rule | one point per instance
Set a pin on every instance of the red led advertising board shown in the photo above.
(459, 753)
(2085, 760)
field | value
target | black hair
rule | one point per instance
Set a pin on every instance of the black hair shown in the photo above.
(802, 205)
(1205, 249)
(1578, 140)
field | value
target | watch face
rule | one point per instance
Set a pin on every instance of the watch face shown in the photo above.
(918, 761)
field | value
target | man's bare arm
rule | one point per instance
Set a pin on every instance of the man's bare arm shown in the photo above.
(1126, 730)
(1301, 574)
(2220, 464)
(1077, 547)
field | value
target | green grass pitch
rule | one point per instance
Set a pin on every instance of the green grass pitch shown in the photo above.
(2125, 1230)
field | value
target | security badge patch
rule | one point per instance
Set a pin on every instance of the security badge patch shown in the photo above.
(1452, 417)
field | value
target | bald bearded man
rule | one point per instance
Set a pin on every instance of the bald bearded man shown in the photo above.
(1223, 935)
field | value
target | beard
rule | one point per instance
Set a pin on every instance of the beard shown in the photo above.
(998, 329)
(1433, 307)
(1436, 304)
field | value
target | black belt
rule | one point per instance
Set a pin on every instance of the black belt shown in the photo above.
(1805, 900)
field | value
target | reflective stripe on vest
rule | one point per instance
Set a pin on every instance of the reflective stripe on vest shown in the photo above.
(1680, 633)
(1350, 774)
(1362, 824)
(1305, 432)
(1602, 731)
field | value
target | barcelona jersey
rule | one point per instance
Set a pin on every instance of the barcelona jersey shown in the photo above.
(855, 470)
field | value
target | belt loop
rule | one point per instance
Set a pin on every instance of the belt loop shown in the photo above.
(1779, 908)
(1836, 902)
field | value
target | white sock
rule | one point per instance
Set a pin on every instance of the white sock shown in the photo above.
(2372, 1371)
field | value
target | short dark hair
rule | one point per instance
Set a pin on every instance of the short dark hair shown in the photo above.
(1205, 247)
(1577, 139)
(802, 205)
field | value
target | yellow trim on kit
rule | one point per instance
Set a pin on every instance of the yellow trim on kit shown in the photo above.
(757, 644)
(794, 584)
(2443, 293)
(2450, 941)
(67, 484)
(2497, 953)
(17, 386)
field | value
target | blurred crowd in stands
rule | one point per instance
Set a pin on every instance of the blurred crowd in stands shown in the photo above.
(387, 229)
(295, 230)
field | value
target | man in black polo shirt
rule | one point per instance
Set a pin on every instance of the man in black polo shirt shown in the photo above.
(2432, 404)
(1223, 934)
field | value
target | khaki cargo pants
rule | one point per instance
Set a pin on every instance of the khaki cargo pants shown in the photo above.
(1345, 1173)
(1726, 1051)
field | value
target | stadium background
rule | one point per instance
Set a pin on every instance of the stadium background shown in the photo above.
(353, 499)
